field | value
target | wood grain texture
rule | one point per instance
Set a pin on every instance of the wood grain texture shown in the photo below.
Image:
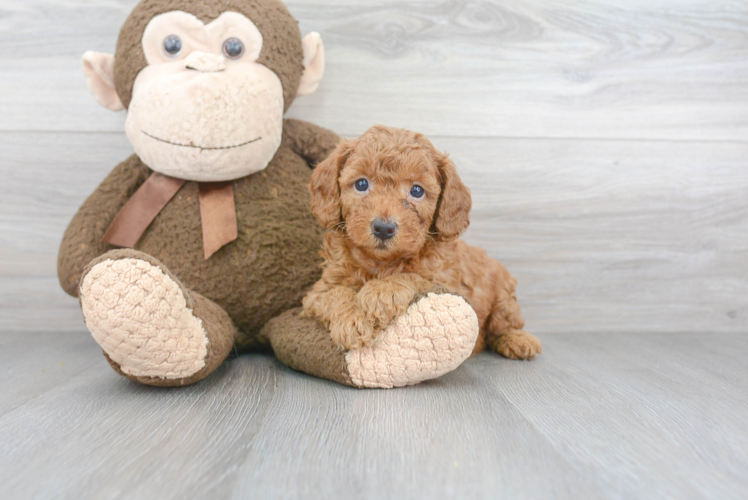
(604, 236)
(597, 416)
(623, 69)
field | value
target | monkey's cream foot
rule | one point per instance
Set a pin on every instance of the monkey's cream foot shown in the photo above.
(433, 337)
(150, 327)
(436, 333)
(518, 344)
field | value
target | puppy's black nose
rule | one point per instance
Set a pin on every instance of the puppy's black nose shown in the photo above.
(383, 229)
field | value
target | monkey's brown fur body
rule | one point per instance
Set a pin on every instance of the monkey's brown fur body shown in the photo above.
(266, 270)
(255, 278)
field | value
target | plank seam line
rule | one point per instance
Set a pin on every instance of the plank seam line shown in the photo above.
(439, 136)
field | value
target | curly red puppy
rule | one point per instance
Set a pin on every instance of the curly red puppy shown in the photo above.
(395, 207)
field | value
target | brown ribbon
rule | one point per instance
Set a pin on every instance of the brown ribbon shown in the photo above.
(140, 210)
(218, 215)
(217, 212)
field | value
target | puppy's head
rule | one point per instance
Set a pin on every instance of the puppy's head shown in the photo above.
(391, 192)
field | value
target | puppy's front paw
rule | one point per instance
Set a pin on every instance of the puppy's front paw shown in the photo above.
(382, 301)
(518, 345)
(352, 331)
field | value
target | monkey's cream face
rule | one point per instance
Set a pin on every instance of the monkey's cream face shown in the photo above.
(204, 109)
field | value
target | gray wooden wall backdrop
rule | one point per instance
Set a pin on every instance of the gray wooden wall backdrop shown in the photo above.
(606, 143)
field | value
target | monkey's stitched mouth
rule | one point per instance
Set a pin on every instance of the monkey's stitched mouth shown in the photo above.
(199, 147)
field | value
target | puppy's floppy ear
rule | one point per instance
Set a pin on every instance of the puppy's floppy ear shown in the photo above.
(452, 215)
(325, 188)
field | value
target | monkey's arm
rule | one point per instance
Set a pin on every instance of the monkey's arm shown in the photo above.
(82, 240)
(309, 141)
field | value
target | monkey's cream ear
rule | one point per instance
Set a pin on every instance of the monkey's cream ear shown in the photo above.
(314, 63)
(99, 71)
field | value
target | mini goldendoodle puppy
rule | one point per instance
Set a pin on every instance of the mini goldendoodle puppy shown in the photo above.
(395, 207)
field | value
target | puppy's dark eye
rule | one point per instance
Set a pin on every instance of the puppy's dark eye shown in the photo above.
(362, 185)
(233, 48)
(173, 45)
(417, 191)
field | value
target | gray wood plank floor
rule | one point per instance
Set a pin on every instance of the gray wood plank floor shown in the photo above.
(606, 145)
(598, 416)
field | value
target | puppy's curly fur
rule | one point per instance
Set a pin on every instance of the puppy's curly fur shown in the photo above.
(369, 280)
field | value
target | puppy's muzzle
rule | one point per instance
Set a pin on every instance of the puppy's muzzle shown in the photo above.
(383, 230)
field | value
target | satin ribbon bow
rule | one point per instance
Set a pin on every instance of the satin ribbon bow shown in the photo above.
(217, 212)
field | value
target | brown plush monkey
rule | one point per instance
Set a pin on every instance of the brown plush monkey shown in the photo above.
(188, 248)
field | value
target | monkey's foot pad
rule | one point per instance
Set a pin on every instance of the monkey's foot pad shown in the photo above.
(140, 317)
(433, 337)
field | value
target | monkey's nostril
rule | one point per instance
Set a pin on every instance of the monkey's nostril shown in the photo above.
(205, 62)
(383, 229)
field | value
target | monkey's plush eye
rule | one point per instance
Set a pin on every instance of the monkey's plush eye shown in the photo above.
(361, 185)
(233, 48)
(417, 191)
(173, 45)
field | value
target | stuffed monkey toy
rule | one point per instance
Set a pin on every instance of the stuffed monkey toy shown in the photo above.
(191, 246)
